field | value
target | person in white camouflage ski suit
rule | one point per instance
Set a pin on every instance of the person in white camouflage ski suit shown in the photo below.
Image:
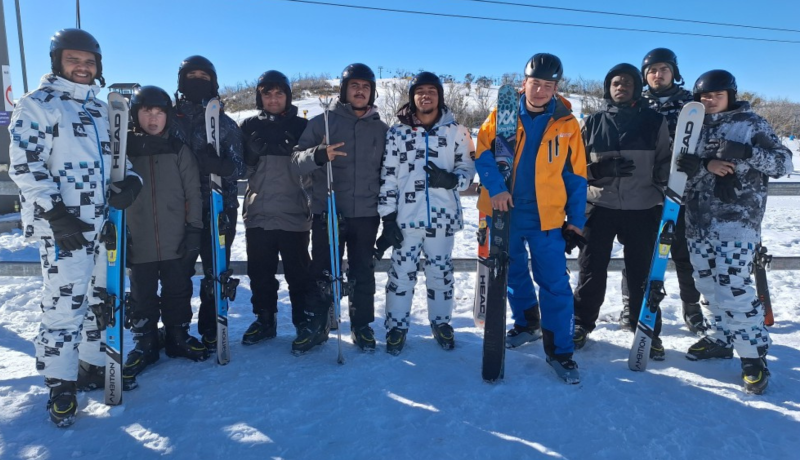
(60, 158)
(726, 196)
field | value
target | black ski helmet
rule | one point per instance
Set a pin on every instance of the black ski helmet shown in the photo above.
(197, 62)
(628, 69)
(149, 96)
(666, 56)
(715, 80)
(75, 39)
(359, 72)
(425, 78)
(271, 79)
(544, 66)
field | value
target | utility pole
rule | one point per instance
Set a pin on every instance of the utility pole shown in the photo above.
(380, 71)
(8, 190)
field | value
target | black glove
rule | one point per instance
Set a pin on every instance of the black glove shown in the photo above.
(321, 154)
(127, 191)
(728, 150)
(725, 188)
(439, 178)
(190, 246)
(285, 147)
(211, 163)
(255, 148)
(614, 167)
(572, 239)
(381, 246)
(689, 164)
(391, 235)
(67, 229)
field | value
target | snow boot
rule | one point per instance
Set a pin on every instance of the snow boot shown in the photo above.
(91, 377)
(63, 403)
(314, 331)
(579, 337)
(657, 352)
(364, 338)
(443, 333)
(263, 328)
(144, 353)
(707, 348)
(179, 344)
(755, 375)
(395, 340)
(566, 369)
(693, 317)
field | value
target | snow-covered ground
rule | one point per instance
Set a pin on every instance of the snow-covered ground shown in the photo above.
(425, 403)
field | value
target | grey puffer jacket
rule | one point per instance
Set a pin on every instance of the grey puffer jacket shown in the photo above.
(170, 198)
(356, 177)
(706, 215)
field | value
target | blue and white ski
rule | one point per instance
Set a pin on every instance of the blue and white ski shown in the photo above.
(494, 330)
(114, 238)
(687, 132)
(224, 285)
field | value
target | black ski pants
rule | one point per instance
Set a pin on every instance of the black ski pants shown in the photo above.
(207, 316)
(637, 231)
(263, 248)
(174, 306)
(358, 235)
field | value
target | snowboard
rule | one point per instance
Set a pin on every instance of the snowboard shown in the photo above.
(496, 263)
(224, 286)
(687, 133)
(114, 238)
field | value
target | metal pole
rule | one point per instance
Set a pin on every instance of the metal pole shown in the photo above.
(21, 51)
(6, 199)
(78, 14)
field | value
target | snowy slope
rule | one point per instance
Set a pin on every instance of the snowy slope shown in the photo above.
(425, 403)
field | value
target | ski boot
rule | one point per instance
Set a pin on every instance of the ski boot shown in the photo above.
(443, 333)
(179, 344)
(63, 403)
(91, 377)
(625, 318)
(657, 352)
(314, 331)
(693, 317)
(144, 353)
(263, 328)
(707, 348)
(755, 375)
(566, 369)
(579, 337)
(395, 340)
(520, 335)
(364, 338)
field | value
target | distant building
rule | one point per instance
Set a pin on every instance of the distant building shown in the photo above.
(126, 89)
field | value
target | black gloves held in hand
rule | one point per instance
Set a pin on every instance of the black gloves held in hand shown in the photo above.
(725, 188)
(211, 163)
(67, 229)
(190, 246)
(126, 192)
(728, 150)
(572, 239)
(439, 178)
(689, 164)
(390, 236)
(256, 147)
(614, 167)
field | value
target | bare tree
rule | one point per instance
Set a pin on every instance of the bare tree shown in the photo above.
(394, 93)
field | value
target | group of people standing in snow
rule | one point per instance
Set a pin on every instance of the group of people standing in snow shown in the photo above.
(572, 185)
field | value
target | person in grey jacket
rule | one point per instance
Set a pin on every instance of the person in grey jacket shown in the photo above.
(726, 195)
(428, 160)
(277, 216)
(165, 223)
(355, 150)
(628, 157)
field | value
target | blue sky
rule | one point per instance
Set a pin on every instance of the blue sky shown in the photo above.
(144, 41)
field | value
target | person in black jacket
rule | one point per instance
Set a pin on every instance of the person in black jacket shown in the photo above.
(277, 214)
(627, 150)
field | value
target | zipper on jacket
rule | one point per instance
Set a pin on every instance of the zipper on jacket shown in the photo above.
(155, 211)
(99, 146)
(427, 195)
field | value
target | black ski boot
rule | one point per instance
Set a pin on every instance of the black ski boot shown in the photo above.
(755, 375)
(707, 348)
(395, 340)
(579, 336)
(364, 338)
(625, 318)
(657, 352)
(182, 345)
(443, 333)
(314, 331)
(63, 403)
(91, 377)
(144, 353)
(264, 327)
(693, 317)
(210, 342)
